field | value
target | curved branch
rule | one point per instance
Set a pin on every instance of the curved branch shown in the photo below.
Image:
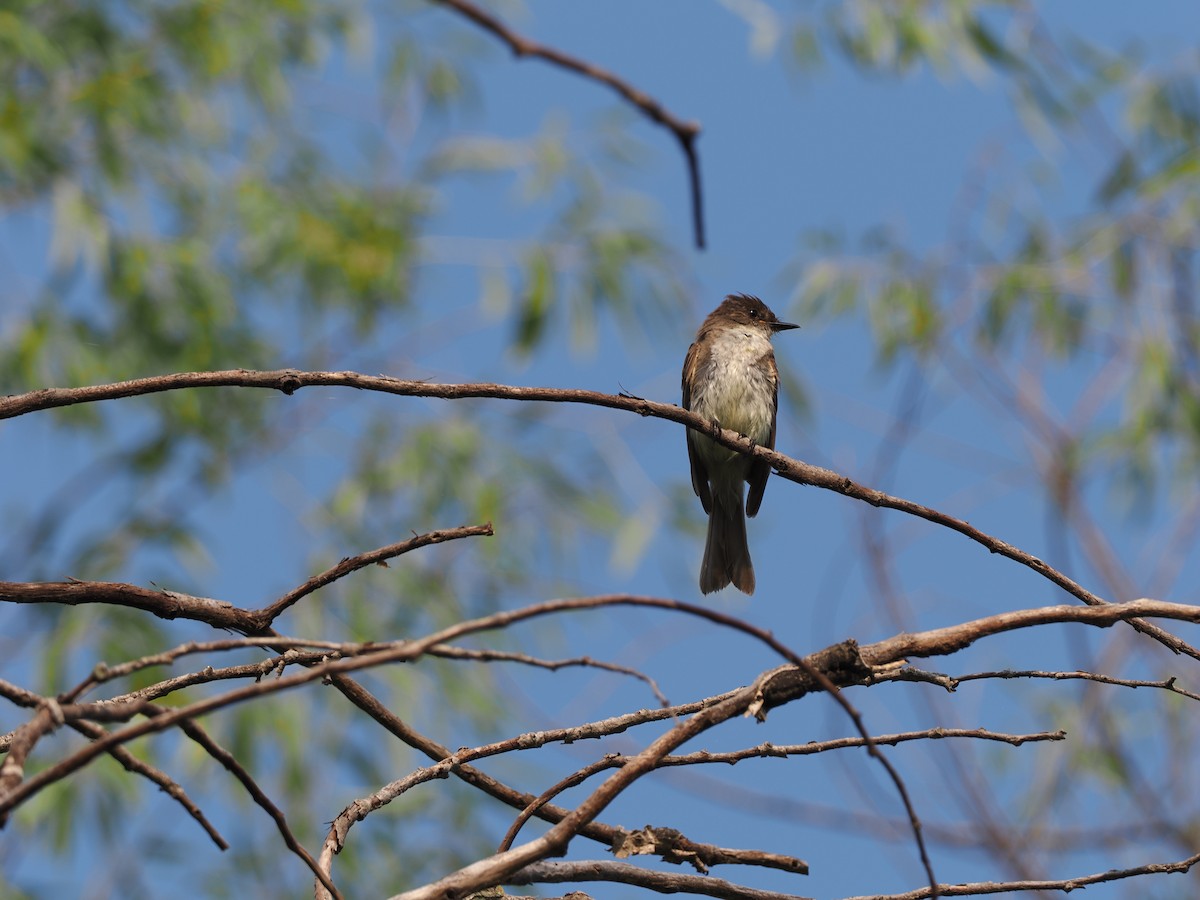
(952, 638)
(771, 689)
(269, 614)
(685, 132)
(288, 381)
(217, 613)
(624, 873)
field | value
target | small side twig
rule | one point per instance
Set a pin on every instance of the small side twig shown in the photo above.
(448, 651)
(268, 614)
(197, 733)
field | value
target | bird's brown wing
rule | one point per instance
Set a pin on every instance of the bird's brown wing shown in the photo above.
(759, 469)
(699, 474)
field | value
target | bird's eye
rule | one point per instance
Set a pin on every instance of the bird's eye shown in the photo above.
(754, 313)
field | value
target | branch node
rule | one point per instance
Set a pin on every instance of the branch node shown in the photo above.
(289, 381)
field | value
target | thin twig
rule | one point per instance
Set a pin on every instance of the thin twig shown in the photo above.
(448, 651)
(1167, 684)
(770, 751)
(198, 734)
(624, 873)
(164, 781)
(12, 769)
(1065, 885)
(103, 672)
(268, 614)
(685, 133)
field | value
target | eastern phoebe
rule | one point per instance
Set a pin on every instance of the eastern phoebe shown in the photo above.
(730, 377)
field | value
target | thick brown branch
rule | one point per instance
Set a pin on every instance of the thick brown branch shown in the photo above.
(164, 604)
(944, 641)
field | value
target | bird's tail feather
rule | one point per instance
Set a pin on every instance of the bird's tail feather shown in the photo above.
(726, 552)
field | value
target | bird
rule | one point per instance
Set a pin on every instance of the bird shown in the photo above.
(730, 378)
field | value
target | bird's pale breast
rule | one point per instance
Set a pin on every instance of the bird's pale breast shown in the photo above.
(738, 389)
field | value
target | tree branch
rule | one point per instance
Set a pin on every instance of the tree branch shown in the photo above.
(289, 381)
(164, 781)
(685, 133)
(624, 873)
(268, 614)
(217, 613)
(981, 888)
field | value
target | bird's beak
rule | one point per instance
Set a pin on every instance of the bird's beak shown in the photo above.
(782, 326)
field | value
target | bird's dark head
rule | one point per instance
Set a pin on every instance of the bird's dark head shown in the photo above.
(744, 309)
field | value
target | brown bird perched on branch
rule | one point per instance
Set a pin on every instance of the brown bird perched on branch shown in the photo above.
(730, 377)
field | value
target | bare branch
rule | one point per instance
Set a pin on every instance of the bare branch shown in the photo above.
(322, 651)
(944, 641)
(401, 651)
(217, 613)
(17, 745)
(12, 771)
(1065, 885)
(1167, 684)
(164, 604)
(496, 868)
(103, 672)
(776, 687)
(165, 783)
(447, 651)
(597, 831)
(685, 132)
(624, 873)
(197, 733)
(268, 614)
(579, 776)
(291, 380)
(768, 751)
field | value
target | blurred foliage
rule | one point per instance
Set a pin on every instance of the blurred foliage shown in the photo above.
(1113, 285)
